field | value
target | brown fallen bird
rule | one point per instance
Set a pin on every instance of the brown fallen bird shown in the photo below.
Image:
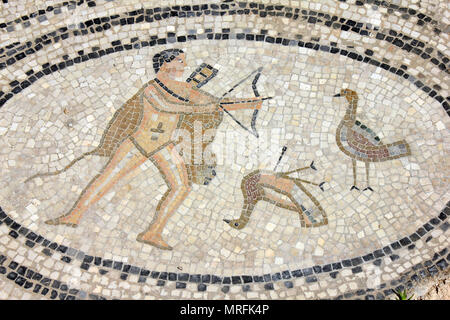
(284, 191)
(360, 143)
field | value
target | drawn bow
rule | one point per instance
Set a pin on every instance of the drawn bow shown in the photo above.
(255, 112)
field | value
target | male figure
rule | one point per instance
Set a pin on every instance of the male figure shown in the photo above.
(143, 129)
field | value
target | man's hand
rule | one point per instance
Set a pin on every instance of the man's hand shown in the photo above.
(258, 105)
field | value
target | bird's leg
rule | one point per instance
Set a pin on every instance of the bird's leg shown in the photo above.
(320, 185)
(354, 176)
(293, 171)
(311, 166)
(367, 177)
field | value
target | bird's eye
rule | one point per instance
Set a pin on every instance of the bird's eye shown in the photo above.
(236, 224)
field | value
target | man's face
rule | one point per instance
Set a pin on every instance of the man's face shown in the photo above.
(175, 68)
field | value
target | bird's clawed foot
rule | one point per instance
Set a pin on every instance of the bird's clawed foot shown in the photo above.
(321, 186)
(366, 188)
(312, 166)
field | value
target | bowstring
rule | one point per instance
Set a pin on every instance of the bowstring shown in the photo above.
(258, 73)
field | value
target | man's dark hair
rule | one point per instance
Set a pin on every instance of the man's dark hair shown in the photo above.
(165, 56)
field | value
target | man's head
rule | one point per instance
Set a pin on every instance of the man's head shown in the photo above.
(171, 62)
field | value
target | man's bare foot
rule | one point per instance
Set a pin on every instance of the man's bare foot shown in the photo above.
(154, 240)
(62, 221)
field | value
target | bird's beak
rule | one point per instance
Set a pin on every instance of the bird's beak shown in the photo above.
(337, 95)
(227, 221)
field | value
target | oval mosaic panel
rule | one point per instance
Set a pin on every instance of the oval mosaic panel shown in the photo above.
(222, 150)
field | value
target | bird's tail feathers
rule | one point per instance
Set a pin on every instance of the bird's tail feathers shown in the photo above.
(399, 149)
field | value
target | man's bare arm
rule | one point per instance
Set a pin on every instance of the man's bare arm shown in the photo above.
(235, 103)
(244, 103)
(158, 99)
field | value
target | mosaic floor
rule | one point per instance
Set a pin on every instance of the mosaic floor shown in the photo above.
(223, 149)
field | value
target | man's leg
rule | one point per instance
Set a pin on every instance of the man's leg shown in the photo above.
(172, 168)
(121, 163)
